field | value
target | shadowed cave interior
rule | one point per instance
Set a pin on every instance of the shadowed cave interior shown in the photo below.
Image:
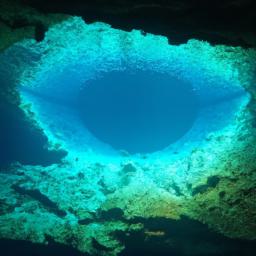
(21, 142)
(181, 238)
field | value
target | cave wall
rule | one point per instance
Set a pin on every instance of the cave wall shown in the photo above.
(218, 204)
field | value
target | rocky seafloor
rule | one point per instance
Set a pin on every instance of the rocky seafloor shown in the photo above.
(196, 197)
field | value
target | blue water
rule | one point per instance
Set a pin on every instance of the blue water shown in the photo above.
(139, 112)
(20, 141)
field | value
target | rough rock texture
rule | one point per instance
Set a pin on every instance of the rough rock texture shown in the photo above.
(98, 204)
(18, 21)
(229, 206)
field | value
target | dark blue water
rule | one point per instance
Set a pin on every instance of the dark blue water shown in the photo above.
(138, 112)
(22, 142)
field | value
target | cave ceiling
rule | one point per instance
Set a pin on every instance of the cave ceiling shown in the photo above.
(228, 22)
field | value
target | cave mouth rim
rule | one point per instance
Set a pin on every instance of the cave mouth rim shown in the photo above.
(176, 85)
(100, 149)
(159, 63)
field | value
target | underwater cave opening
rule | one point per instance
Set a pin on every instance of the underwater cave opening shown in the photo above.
(137, 111)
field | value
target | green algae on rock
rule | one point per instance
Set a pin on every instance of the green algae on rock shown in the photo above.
(94, 178)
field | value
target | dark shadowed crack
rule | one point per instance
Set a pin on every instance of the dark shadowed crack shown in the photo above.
(112, 214)
(212, 182)
(43, 199)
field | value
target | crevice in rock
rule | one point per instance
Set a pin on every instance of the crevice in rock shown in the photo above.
(212, 182)
(43, 199)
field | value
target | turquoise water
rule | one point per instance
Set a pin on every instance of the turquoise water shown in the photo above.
(122, 144)
(139, 112)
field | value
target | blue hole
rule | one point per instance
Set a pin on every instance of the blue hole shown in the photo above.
(140, 112)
